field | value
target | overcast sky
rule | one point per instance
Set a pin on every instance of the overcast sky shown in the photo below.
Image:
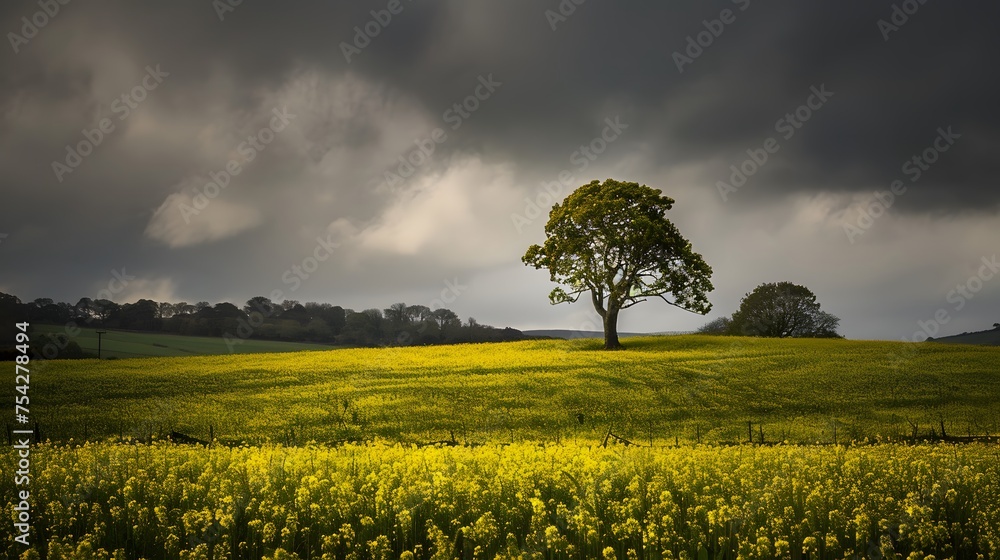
(178, 87)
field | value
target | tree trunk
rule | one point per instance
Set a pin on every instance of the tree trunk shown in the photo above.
(611, 329)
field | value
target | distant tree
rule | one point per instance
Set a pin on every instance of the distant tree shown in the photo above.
(296, 312)
(42, 302)
(12, 311)
(418, 313)
(783, 310)
(289, 303)
(260, 304)
(996, 326)
(363, 329)
(445, 318)
(335, 317)
(613, 239)
(84, 309)
(184, 308)
(826, 326)
(228, 310)
(396, 314)
(317, 330)
(104, 309)
(166, 310)
(396, 323)
(722, 325)
(68, 309)
(141, 315)
(290, 330)
(312, 321)
(49, 313)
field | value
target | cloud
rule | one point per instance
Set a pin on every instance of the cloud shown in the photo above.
(459, 216)
(156, 289)
(186, 219)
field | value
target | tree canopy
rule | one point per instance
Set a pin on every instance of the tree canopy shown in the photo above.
(781, 310)
(259, 318)
(613, 240)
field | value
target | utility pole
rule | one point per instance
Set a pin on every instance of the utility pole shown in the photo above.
(99, 333)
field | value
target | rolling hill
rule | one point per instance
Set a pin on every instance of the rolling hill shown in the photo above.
(990, 337)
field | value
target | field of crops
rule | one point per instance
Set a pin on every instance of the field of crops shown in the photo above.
(515, 501)
(126, 344)
(325, 455)
(661, 389)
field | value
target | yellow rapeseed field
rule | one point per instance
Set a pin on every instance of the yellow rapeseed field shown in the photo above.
(514, 501)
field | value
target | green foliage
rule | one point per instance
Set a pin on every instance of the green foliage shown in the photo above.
(720, 326)
(257, 324)
(782, 310)
(613, 240)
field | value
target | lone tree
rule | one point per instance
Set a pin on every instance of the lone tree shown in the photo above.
(781, 310)
(613, 240)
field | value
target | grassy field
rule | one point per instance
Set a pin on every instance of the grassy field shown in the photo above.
(665, 389)
(522, 472)
(125, 344)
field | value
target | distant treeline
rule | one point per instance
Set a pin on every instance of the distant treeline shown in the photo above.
(397, 325)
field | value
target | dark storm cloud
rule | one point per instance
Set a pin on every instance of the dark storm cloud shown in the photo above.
(606, 57)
